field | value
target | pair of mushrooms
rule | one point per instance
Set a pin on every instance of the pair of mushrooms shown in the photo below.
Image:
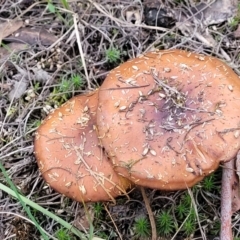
(163, 120)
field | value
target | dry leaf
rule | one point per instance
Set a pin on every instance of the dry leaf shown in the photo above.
(9, 27)
(40, 75)
(19, 88)
(20, 83)
(33, 36)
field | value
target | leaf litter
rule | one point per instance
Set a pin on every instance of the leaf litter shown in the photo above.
(41, 49)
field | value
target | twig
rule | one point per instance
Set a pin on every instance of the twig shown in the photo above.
(81, 50)
(196, 212)
(113, 221)
(29, 8)
(122, 88)
(150, 214)
(178, 230)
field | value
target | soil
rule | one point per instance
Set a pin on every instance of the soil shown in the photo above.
(53, 50)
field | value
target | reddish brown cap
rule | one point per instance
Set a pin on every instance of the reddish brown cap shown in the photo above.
(68, 155)
(167, 118)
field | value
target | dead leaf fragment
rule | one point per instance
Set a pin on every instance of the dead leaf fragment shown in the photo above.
(20, 83)
(40, 75)
(9, 27)
(18, 89)
(33, 36)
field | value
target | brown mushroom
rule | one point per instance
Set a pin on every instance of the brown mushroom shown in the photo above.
(68, 155)
(174, 117)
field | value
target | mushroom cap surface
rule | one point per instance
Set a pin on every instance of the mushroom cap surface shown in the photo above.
(68, 155)
(174, 117)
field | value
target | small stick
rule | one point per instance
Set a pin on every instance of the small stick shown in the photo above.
(150, 214)
(81, 50)
(113, 221)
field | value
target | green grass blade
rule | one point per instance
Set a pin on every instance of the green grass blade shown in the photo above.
(25, 201)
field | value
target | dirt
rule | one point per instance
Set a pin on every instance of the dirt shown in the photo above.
(39, 58)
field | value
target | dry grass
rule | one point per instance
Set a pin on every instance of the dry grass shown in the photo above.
(84, 33)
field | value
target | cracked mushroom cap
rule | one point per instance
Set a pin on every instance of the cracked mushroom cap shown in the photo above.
(174, 117)
(68, 155)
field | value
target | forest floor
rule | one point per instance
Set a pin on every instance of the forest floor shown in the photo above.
(43, 64)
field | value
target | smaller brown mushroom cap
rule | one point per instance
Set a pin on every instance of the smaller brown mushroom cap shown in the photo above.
(68, 155)
(174, 117)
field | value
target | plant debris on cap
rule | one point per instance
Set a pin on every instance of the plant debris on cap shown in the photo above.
(68, 155)
(168, 118)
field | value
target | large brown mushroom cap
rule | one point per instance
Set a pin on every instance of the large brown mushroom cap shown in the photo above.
(174, 116)
(67, 151)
